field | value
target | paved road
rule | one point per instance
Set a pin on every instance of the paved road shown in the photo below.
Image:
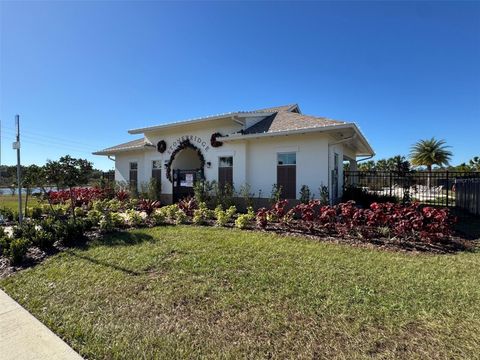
(23, 337)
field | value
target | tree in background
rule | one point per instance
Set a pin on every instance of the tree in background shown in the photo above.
(428, 153)
(474, 163)
(366, 166)
(397, 163)
(68, 173)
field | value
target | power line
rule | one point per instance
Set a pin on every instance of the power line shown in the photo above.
(40, 141)
(55, 138)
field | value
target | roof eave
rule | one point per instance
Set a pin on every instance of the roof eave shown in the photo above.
(116, 151)
(362, 138)
(200, 120)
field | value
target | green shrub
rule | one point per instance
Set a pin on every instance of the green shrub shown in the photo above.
(114, 205)
(94, 216)
(79, 212)
(158, 217)
(244, 220)
(134, 218)
(170, 211)
(5, 245)
(8, 214)
(43, 239)
(305, 194)
(276, 194)
(36, 213)
(223, 194)
(180, 217)
(201, 215)
(246, 194)
(223, 217)
(118, 220)
(107, 224)
(202, 191)
(100, 205)
(70, 232)
(18, 249)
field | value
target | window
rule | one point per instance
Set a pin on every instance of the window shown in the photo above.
(133, 176)
(157, 170)
(287, 174)
(225, 171)
(287, 159)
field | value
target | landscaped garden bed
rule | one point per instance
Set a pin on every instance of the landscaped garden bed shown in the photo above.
(73, 217)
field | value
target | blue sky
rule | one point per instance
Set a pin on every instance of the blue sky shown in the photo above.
(81, 73)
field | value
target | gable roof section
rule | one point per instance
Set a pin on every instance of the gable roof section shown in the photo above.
(291, 107)
(287, 121)
(128, 146)
(266, 112)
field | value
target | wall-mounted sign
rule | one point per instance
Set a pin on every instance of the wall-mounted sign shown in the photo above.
(194, 140)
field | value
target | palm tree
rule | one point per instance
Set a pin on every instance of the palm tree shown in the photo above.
(428, 153)
(475, 163)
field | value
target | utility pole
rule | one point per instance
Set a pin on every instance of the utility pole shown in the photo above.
(16, 146)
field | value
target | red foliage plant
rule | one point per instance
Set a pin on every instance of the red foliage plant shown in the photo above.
(148, 206)
(81, 196)
(188, 205)
(403, 221)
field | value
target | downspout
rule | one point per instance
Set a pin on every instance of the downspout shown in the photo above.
(109, 158)
(329, 171)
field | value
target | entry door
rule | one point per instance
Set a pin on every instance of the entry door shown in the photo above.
(183, 182)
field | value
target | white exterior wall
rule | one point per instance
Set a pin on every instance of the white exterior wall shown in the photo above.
(312, 161)
(254, 160)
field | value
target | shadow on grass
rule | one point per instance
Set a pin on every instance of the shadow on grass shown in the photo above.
(122, 238)
(104, 263)
(117, 238)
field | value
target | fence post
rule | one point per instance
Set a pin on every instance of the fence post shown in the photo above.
(448, 187)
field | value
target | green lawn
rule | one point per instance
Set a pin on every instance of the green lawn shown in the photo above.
(193, 292)
(11, 202)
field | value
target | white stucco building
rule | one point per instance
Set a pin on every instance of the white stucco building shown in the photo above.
(278, 145)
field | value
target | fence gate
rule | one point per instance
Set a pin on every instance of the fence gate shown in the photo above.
(183, 181)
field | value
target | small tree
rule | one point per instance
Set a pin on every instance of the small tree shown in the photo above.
(69, 172)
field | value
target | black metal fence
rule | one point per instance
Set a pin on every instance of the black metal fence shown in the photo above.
(467, 195)
(436, 188)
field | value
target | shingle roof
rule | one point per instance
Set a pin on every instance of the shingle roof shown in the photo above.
(286, 121)
(131, 145)
(267, 111)
(275, 108)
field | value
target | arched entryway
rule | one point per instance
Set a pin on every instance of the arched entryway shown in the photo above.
(184, 169)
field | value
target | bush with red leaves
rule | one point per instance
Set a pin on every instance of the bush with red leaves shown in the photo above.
(148, 206)
(81, 196)
(402, 221)
(188, 205)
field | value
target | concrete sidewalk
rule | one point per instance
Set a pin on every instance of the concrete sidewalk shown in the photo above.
(23, 337)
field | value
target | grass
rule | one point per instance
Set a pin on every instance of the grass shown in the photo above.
(197, 292)
(11, 202)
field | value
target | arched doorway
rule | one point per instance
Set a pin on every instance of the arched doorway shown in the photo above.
(184, 169)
